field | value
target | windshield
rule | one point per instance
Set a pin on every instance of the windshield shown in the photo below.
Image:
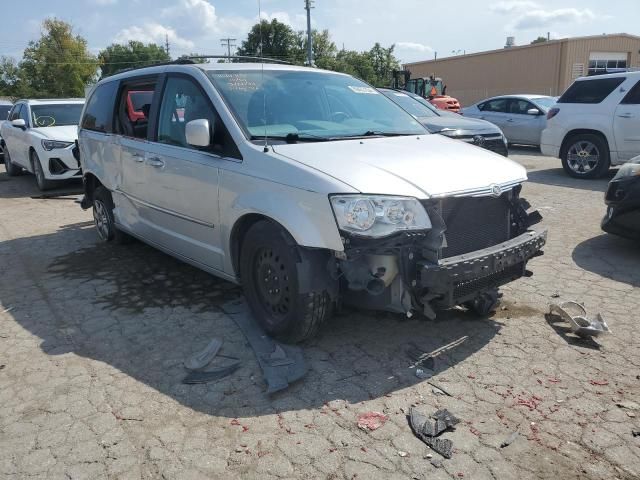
(4, 111)
(410, 104)
(56, 115)
(546, 102)
(310, 105)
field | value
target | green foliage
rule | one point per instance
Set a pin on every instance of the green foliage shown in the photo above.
(539, 40)
(131, 55)
(57, 65)
(9, 78)
(278, 41)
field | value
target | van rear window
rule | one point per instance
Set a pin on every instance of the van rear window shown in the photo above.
(590, 91)
(98, 114)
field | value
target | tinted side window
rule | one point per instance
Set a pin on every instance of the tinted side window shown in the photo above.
(519, 106)
(590, 91)
(498, 105)
(4, 112)
(24, 114)
(182, 102)
(15, 112)
(99, 111)
(633, 97)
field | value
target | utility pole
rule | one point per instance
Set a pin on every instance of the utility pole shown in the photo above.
(228, 42)
(166, 43)
(308, 6)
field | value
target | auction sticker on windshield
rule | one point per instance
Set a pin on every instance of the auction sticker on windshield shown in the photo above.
(369, 90)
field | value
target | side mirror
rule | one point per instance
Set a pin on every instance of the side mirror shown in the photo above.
(197, 133)
(533, 111)
(19, 123)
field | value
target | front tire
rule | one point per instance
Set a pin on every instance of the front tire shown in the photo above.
(11, 169)
(269, 270)
(43, 183)
(586, 156)
(103, 218)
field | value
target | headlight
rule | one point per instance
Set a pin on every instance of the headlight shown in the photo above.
(51, 144)
(630, 169)
(377, 215)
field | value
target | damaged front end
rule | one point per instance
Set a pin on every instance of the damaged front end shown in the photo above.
(474, 244)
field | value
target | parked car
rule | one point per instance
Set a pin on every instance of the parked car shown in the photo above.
(521, 117)
(5, 106)
(39, 137)
(623, 202)
(595, 124)
(310, 188)
(470, 130)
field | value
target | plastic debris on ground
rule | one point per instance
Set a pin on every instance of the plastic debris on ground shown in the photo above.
(201, 359)
(371, 420)
(428, 429)
(575, 315)
(509, 440)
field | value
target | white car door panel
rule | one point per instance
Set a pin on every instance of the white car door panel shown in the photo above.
(626, 125)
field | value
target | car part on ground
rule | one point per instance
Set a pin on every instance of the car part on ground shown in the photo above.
(428, 429)
(281, 364)
(210, 375)
(201, 359)
(575, 315)
(623, 202)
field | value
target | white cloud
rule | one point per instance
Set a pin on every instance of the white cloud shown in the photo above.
(192, 15)
(152, 32)
(416, 47)
(544, 18)
(358, 21)
(512, 6)
(103, 3)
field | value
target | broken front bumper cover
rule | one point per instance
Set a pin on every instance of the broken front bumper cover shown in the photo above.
(455, 280)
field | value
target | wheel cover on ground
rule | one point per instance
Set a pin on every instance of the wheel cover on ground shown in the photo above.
(101, 218)
(272, 284)
(583, 157)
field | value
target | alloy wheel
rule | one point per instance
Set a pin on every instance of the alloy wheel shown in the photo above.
(583, 157)
(101, 218)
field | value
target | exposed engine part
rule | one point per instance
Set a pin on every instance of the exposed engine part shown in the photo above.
(371, 273)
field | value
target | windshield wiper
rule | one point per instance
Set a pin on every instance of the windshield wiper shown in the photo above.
(294, 137)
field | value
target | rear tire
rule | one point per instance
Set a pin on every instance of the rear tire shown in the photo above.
(269, 270)
(104, 220)
(585, 155)
(43, 183)
(11, 169)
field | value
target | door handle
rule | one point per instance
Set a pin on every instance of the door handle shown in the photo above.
(155, 162)
(625, 115)
(138, 157)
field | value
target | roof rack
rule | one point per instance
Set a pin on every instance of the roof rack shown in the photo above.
(189, 60)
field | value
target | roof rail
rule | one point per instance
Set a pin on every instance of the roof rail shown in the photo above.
(189, 60)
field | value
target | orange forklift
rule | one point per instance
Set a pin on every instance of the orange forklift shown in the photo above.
(431, 88)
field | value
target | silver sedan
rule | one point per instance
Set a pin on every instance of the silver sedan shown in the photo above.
(521, 117)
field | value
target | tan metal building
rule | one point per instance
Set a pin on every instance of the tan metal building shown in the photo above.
(546, 68)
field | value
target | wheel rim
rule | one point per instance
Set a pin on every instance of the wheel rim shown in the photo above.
(101, 218)
(38, 170)
(583, 157)
(273, 284)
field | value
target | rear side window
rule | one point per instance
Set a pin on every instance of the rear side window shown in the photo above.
(99, 111)
(498, 105)
(590, 91)
(633, 97)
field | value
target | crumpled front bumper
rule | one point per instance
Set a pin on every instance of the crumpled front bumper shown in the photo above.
(455, 280)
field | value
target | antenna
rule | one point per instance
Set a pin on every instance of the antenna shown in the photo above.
(264, 92)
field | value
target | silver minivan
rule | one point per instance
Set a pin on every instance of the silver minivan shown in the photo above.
(309, 188)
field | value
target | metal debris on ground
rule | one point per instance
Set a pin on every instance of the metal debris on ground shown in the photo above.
(201, 359)
(575, 315)
(425, 359)
(635, 433)
(281, 364)
(428, 429)
(509, 440)
(371, 420)
(439, 390)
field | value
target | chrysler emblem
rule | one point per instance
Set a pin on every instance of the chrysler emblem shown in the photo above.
(496, 190)
(478, 140)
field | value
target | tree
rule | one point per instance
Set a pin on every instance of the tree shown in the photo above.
(58, 64)
(383, 62)
(194, 58)
(539, 40)
(278, 41)
(10, 85)
(323, 49)
(131, 55)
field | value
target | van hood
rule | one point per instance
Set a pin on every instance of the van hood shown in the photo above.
(65, 133)
(418, 166)
(436, 124)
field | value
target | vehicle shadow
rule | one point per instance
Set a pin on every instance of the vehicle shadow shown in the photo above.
(558, 178)
(611, 257)
(143, 313)
(24, 186)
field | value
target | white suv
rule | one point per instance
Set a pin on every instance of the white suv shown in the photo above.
(308, 187)
(595, 124)
(39, 137)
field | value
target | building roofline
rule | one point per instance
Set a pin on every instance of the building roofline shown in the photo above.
(520, 47)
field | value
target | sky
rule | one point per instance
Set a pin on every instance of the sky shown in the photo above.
(418, 28)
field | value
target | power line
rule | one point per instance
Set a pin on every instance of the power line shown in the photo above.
(229, 42)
